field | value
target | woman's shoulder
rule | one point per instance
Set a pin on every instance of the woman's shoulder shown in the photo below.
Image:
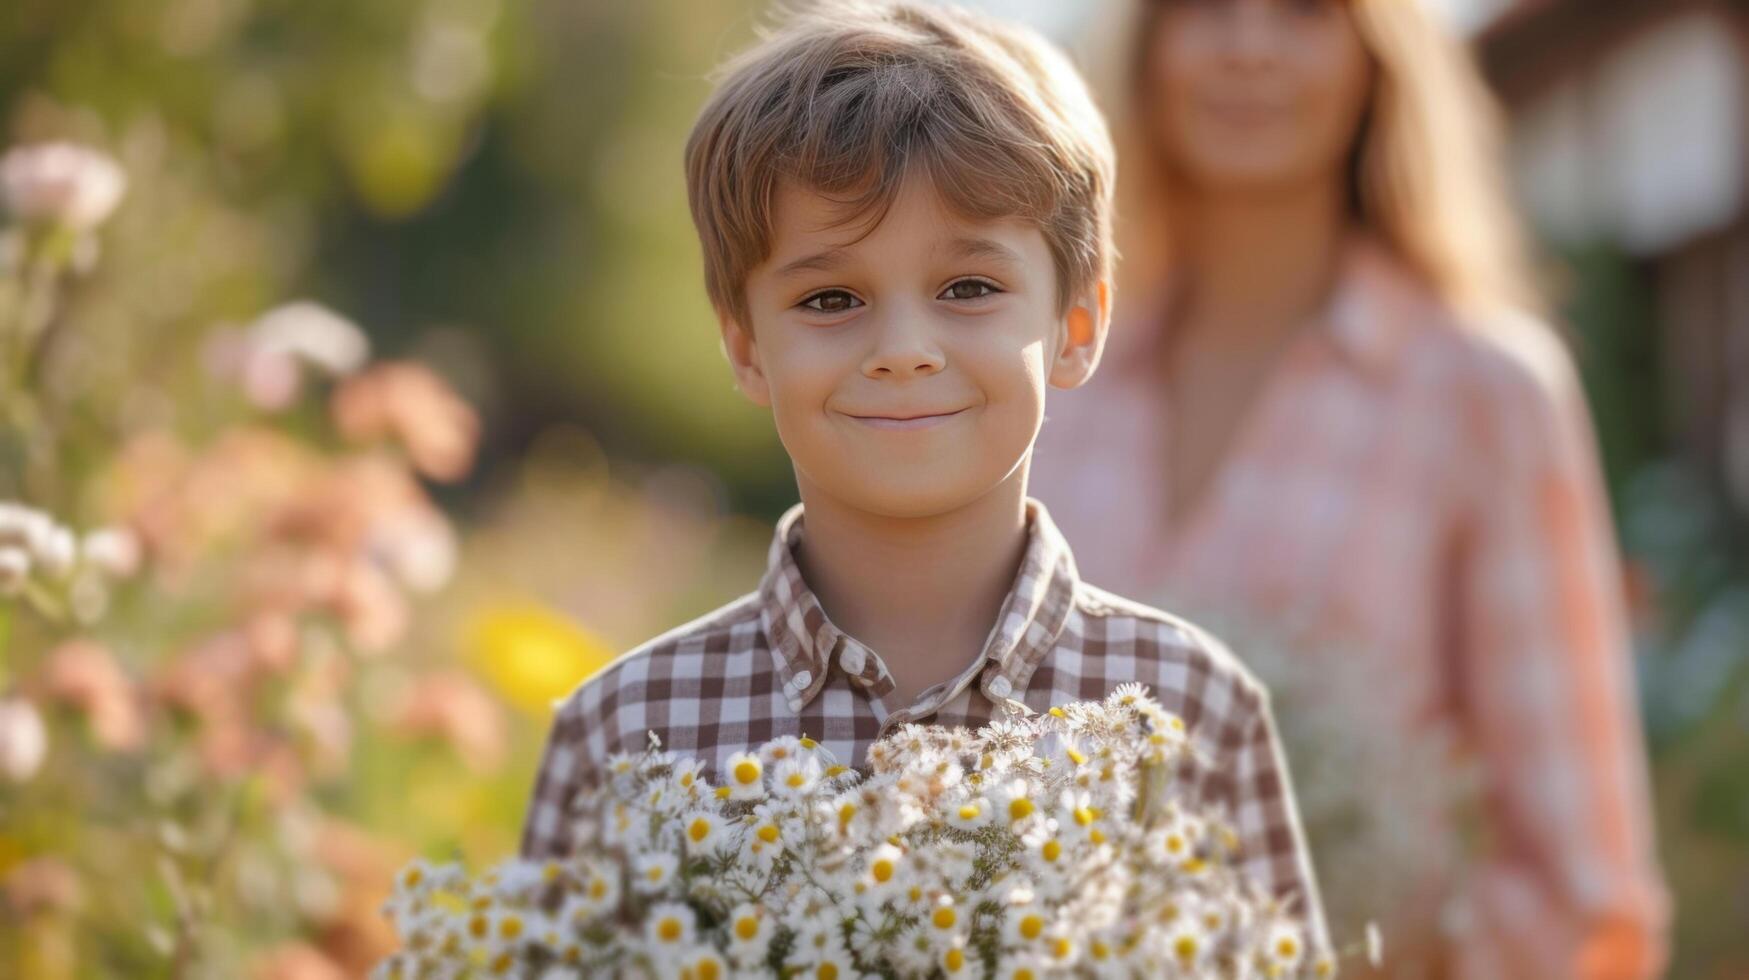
(1505, 361)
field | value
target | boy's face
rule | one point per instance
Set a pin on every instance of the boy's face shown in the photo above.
(906, 369)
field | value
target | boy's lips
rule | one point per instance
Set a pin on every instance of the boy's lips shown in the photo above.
(922, 421)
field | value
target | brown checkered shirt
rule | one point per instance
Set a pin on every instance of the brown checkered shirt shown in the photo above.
(771, 664)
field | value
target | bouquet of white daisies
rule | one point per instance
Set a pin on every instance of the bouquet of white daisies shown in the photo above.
(1049, 845)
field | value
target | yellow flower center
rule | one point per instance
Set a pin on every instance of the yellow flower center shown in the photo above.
(746, 927)
(882, 871)
(796, 780)
(827, 971)
(1020, 809)
(747, 772)
(597, 889)
(709, 970)
(1285, 947)
(768, 833)
(1031, 926)
(968, 811)
(944, 917)
(1052, 850)
(699, 830)
(669, 930)
(1185, 947)
(955, 959)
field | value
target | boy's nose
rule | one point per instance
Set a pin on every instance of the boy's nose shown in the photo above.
(903, 347)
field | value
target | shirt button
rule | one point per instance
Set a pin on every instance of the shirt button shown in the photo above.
(852, 659)
(801, 681)
(1000, 687)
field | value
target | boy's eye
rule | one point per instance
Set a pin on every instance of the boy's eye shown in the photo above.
(969, 289)
(831, 301)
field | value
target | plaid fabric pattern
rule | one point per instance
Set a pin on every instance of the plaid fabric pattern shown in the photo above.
(1427, 492)
(771, 664)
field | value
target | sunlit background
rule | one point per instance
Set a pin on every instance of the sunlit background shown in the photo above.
(344, 581)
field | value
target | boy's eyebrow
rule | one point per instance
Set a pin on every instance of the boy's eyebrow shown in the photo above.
(972, 247)
(818, 262)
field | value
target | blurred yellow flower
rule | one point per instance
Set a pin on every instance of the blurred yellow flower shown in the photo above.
(532, 654)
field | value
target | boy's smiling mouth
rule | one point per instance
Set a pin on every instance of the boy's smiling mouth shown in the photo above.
(908, 421)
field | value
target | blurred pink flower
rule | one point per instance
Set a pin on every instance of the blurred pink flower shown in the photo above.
(448, 705)
(296, 961)
(42, 885)
(23, 739)
(61, 183)
(343, 536)
(357, 934)
(267, 358)
(410, 403)
(210, 680)
(372, 610)
(272, 636)
(114, 551)
(84, 676)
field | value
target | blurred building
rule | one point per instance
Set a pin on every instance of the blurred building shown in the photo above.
(1630, 127)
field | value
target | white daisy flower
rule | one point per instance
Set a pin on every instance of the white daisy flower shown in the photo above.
(704, 832)
(795, 778)
(1025, 925)
(1285, 946)
(883, 874)
(1021, 967)
(654, 871)
(745, 776)
(749, 931)
(969, 814)
(1187, 944)
(669, 925)
(955, 961)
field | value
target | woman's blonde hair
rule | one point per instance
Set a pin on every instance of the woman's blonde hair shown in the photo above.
(1427, 176)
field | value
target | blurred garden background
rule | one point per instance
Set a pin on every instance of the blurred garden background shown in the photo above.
(370, 399)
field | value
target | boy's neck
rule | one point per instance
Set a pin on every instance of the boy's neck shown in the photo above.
(922, 593)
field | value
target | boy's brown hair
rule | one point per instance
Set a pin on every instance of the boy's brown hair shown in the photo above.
(848, 98)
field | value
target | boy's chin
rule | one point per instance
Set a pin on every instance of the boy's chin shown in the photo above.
(927, 495)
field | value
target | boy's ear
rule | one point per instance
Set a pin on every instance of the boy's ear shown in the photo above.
(1084, 328)
(743, 354)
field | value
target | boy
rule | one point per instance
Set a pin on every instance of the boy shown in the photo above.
(905, 213)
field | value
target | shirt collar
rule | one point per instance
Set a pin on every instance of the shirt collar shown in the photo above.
(806, 646)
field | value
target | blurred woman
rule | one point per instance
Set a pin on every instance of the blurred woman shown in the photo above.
(1330, 407)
